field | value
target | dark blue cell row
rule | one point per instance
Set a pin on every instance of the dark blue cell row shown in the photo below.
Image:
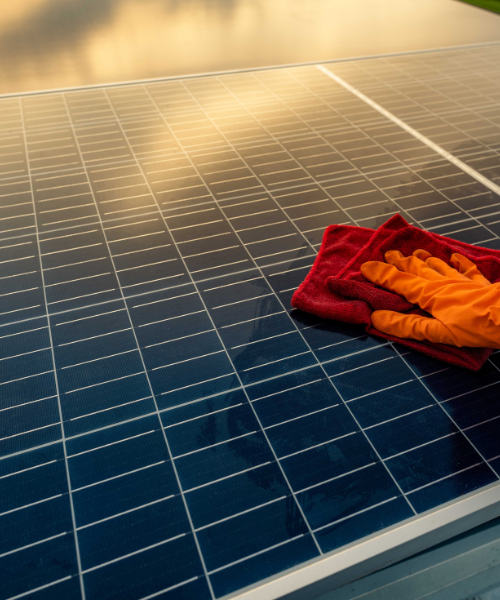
(109, 459)
(32, 477)
(202, 408)
(392, 403)
(144, 574)
(329, 460)
(347, 495)
(236, 494)
(473, 408)
(289, 247)
(74, 294)
(242, 334)
(433, 461)
(230, 290)
(331, 340)
(22, 391)
(190, 372)
(28, 365)
(201, 432)
(22, 296)
(124, 493)
(28, 336)
(88, 322)
(102, 405)
(132, 257)
(311, 430)
(11, 249)
(27, 305)
(246, 310)
(231, 260)
(154, 278)
(80, 207)
(407, 432)
(204, 230)
(453, 382)
(452, 487)
(22, 282)
(368, 372)
(110, 436)
(29, 264)
(38, 565)
(263, 565)
(163, 271)
(286, 359)
(288, 275)
(292, 396)
(69, 589)
(169, 353)
(225, 459)
(173, 328)
(34, 523)
(99, 372)
(356, 527)
(194, 391)
(133, 531)
(56, 245)
(29, 425)
(26, 223)
(285, 382)
(98, 346)
(71, 303)
(58, 278)
(251, 532)
(164, 304)
(181, 218)
(486, 439)
(133, 234)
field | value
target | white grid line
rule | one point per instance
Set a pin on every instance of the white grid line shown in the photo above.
(56, 382)
(186, 508)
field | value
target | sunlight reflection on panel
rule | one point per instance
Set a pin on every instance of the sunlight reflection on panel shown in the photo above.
(59, 43)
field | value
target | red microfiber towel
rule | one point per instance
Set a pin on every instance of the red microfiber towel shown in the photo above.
(335, 289)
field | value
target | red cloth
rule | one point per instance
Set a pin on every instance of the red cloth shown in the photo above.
(335, 289)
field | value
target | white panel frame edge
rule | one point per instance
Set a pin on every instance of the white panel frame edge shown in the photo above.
(379, 550)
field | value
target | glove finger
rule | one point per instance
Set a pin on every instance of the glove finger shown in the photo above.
(413, 265)
(412, 327)
(438, 265)
(422, 254)
(468, 268)
(387, 276)
(443, 269)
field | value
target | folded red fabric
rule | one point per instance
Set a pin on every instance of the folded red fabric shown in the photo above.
(335, 289)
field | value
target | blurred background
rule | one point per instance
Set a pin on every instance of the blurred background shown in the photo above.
(46, 44)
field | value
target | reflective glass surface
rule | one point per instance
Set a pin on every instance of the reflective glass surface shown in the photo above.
(169, 426)
(52, 44)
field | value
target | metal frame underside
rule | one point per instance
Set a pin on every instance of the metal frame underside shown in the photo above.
(379, 550)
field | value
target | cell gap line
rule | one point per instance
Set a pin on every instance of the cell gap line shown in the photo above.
(422, 138)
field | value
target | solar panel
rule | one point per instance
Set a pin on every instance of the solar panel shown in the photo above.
(170, 428)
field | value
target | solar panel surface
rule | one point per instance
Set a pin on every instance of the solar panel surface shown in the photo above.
(169, 427)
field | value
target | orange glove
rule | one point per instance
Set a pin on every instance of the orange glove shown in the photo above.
(466, 306)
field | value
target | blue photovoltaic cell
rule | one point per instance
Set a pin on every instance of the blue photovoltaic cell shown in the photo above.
(169, 427)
